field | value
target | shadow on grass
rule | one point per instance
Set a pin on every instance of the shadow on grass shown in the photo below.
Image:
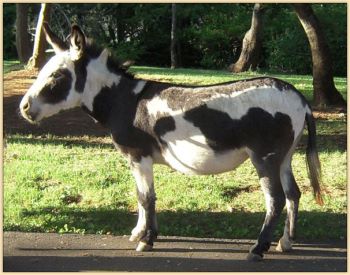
(326, 142)
(239, 225)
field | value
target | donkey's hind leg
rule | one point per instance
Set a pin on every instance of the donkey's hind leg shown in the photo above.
(292, 194)
(268, 171)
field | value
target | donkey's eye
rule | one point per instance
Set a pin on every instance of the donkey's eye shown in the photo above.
(56, 74)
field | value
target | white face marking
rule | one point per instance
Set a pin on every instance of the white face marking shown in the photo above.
(139, 87)
(59, 61)
(98, 76)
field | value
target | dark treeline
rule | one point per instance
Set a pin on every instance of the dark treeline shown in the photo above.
(208, 35)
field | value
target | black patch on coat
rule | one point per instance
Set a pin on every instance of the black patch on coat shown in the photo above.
(119, 109)
(102, 105)
(58, 88)
(164, 125)
(258, 130)
(81, 73)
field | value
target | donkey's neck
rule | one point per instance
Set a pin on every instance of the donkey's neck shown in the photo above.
(116, 101)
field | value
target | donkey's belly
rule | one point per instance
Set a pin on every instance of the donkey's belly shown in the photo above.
(195, 157)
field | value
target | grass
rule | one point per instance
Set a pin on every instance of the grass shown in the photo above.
(75, 184)
(12, 65)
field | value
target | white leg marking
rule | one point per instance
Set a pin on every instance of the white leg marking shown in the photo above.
(143, 174)
(140, 228)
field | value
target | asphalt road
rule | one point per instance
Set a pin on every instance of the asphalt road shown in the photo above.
(71, 252)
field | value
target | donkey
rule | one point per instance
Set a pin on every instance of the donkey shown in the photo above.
(195, 130)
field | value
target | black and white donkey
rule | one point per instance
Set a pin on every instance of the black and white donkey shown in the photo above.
(195, 130)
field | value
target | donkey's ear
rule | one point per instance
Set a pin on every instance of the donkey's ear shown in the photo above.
(77, 42)
(56, 43)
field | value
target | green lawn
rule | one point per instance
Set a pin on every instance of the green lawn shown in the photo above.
(12, 65)
(70, 184)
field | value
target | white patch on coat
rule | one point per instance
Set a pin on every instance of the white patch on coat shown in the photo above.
(98, 76)
(143, 174)
(189, 158)
(139, 87)
(157, 106)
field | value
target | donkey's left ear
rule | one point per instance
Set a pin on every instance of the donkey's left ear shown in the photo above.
(77, 42)
(56, 43)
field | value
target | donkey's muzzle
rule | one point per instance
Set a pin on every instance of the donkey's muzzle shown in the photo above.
(27, 111)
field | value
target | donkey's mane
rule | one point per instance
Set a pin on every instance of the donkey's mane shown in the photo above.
(113, 63)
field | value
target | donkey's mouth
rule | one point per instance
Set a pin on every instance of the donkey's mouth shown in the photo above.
(30, 117)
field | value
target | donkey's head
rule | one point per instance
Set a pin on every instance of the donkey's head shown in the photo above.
(70, 78)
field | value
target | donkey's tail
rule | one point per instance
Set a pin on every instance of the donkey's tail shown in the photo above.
(313, 162)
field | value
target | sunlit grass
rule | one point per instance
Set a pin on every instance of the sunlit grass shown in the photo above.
(49, 179)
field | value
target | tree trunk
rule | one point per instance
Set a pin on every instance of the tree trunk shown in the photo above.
(325, 92)
(23, 44)
(173, 55)
(38, 58)
(251, 46)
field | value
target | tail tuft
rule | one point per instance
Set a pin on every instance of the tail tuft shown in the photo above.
(313, 162)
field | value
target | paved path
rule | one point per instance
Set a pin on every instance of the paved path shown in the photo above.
(71, 252)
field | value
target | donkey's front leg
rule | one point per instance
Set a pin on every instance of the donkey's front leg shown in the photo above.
(146, 229)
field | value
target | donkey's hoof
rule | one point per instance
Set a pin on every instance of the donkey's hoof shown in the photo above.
(252, 257)
(134, 238)
(284, 245)
(144, 247)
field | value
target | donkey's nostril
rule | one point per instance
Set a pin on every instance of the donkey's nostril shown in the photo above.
(26, 106)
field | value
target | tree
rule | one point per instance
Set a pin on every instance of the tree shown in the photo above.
(173, 37)
(325, 92)
(38, 58)
(252, 43)
(23, 44)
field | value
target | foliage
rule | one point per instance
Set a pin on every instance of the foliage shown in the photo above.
(9, 36)
(209, 35)
(82, 185)
(287, 49)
